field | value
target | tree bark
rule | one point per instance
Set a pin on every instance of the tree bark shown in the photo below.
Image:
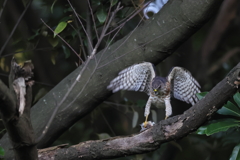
(16, 122)
(164, 131)
(154, 41)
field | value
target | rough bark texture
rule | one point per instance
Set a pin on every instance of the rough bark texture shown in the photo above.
(151, 139)
(18, 126)
(154, 41)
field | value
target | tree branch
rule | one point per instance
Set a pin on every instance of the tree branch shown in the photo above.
(152, 42)
(15, 105)
(164, 131)
(7, 102)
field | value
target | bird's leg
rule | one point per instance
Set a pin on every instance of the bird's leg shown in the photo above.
(168, 107)
(145, 123)
(147, 110)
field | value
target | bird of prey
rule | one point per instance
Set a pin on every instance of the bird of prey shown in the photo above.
(142, 77)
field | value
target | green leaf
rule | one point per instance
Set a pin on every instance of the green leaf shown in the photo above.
(60, 27)
(201, 95)
(53, 57)
(37, 32)
(53, 6)
(2, 152)
(135, 119)
(40, 94)
(218, 126)
(113, 2)
(221, 125)
(101, 15)
(201, 130)
(235, 153)
(53, 41)
(229, 109)
(66, 51)
(236, 98)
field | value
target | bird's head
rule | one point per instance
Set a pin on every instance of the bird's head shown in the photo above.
(158, 85)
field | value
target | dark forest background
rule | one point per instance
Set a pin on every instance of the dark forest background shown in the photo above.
(209, 55)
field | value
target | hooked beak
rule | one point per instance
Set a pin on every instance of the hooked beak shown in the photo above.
(155, 91)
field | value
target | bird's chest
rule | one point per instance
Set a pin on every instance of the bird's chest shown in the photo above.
(159, 99)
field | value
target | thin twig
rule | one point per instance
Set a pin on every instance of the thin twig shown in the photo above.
(116, 104)
(94, 24)
(109, 126)
(109, 44)
(1, 11)
(82, 46)
(125, 39)
(88, 60)
(15, 27)
(105, 28)
(107, 18)
(119, 28)
(141, 4)
(63, 41)
(89, 30)
(91, 45)
(139, 46)
(134, 13)
(81, 41)
(99, 41)
(118, 110)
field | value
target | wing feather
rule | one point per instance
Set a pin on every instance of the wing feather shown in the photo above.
(137, 77)
(183, 86)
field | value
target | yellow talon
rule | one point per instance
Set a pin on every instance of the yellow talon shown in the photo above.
(166, 117)
(145, 123)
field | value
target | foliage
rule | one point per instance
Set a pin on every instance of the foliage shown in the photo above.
(60, 27)
(224, 124)
(235, 154)
(1, 151)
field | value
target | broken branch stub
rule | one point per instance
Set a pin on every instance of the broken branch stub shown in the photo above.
(22, 77)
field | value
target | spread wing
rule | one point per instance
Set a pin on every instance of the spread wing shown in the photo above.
(137, 77)
(183, 86)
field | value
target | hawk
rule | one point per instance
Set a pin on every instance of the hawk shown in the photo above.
(142, 77)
